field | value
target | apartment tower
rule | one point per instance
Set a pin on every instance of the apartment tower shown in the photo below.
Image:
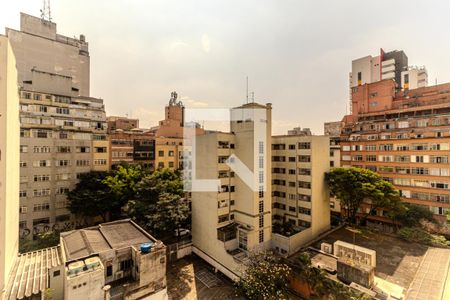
(300, 197)
(235, 217)
(405, 137)
(63, 129)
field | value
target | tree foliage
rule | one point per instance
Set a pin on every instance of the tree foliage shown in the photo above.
(122, 182)
(91, 197)
(159, 204)
(353, 186)
(412, 214)
(319, 284)
(265, 277)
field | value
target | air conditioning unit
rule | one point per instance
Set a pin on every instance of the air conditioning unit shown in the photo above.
(119, 275)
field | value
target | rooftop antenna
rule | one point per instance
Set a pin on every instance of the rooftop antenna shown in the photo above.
(247, 90)
(46, 13)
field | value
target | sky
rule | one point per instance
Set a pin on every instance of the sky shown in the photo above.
(296, 53)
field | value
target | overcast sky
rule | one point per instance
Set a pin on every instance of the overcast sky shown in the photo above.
(297, 54)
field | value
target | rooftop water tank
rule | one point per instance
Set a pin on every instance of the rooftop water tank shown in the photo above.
(146, 247)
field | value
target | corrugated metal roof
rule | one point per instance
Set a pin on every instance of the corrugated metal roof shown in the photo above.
(30, 273)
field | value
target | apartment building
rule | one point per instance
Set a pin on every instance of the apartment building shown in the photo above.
(333, 130)
(300, 197)
(136, 146)
(233, 217)
(405, 137)
(63, 129)
(386, 65)
(9, 161)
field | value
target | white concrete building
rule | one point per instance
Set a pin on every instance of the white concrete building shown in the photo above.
(235, 218)
(414, 77)
(9, 161)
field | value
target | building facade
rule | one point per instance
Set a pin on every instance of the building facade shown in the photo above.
(136, 146)
(300, 197)
(333, 130)
(234, 218)
(404, 136)
(63, 129)
(9, 162)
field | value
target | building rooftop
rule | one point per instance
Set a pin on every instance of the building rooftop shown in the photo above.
(103, 237)
(29, 275)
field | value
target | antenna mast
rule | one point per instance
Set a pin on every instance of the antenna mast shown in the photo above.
(247, 90)
(46, 13)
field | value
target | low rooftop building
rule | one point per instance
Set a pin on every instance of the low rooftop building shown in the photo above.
(116, 259)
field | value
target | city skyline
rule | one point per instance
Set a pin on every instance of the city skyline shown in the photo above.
(199, 58)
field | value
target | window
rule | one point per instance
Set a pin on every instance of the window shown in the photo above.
(109, 271)
(23, 209)
(371, 158)
(23, 149)
(83, 149)
(63, 149)
(23, 164)
(126, 264)
(22, 194)
(261, 236)
(171, 164)
(292, 147)
(62, 110)
(261, 207)
(160, 153)
(304, 158)
(41, 207)
(171, 153)
(305, 211)
(100, 150)
(41, 178)
(304, 145)
(371, 147)
(261, 220)
(304, 184)
(304, 171)
(222, 218)
(261, 147)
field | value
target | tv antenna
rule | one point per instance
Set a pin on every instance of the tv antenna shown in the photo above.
(46, 13)
(249, 95)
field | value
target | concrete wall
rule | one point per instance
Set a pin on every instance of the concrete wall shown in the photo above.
(9, 161)
(38, 46)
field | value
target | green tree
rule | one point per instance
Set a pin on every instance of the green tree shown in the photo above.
(412, 214)
(159, 204)
(122, 182)
(91, 197)
(353, 186)
(265, 277)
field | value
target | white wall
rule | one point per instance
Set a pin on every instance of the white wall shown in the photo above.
(9, 161)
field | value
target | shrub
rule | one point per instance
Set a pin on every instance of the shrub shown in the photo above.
(414, 234)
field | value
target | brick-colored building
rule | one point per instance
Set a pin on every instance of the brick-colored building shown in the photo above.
(405, 137)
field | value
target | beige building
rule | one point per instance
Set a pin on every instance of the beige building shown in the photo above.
(300, 197)
(9, 161)
(63, 130)
(234, 218)
(168, 153)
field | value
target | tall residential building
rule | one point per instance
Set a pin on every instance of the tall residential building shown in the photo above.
(404, 136)
(235, 218)
(414, 77)
(333, 130)
(300, 197)
(63, 129)
(9, 161)
(387, 65)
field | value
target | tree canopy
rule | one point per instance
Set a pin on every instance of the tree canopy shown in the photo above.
(355, 186)
(91, 197)
(159, 204)
(265, 277)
